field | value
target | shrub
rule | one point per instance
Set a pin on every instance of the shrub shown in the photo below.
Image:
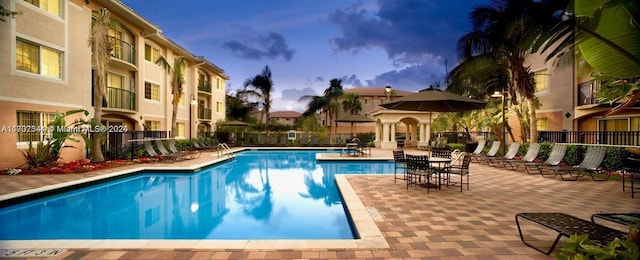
(545, 150)
(41, 156)
(574, 154)
(614, 157)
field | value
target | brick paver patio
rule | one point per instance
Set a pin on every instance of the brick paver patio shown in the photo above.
(447, 224)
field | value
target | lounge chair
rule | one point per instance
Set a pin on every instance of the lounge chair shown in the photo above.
(509, 155)
(555, 157)
(304, 139)
(191, 154)
(495, 147)
(590, 164)
(567, 225)
(479, 148)
(529, 157)
(163, 151)
(148, 147)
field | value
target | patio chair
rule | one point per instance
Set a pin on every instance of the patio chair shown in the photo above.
(191, 154)
(273, 140)
(509, 155)
(283, 141)
(631, 175)
(495, 147)
(555, 157)
(441, 152)
(461, 169)
(163, 151)
(399, 163)
(590, 164)
(315, 140)
(324, 141)
(417, 168)
(529, 157)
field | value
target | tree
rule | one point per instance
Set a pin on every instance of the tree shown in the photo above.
(352, 104)
(261, 87)
(503, 36)
(606, 33)
(327, 102)
(101, 47)
(177, 82)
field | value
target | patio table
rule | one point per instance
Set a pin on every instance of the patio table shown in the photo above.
(438, 165)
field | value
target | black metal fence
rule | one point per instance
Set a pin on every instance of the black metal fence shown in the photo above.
(591, 137)
(462, 137)
(123, 145)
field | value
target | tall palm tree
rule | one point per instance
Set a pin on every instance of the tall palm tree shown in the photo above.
(352, 104)
(261, 87)
(327, 102)
(101, 47)
(505, 34)
(177, 82)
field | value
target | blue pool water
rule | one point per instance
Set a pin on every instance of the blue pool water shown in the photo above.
(260, 195)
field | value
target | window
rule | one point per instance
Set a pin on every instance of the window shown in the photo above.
(51, 6)
(116, 42)
(219, 107)
(180, 129)
(366, 101)
(37, 59)
(33, 126)
(542, 124)
(150, 53)
(219, 83)
(115, 80)
(152, 125)
(151, 91)
(542, 80)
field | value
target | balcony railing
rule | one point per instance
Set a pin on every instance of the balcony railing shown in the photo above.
(123, 50)
(591, 137)
(121, 99)
(204, 113)
(204, 86)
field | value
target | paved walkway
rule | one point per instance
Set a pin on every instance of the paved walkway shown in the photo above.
(447, 224)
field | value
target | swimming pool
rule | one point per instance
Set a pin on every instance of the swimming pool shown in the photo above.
(259, 195)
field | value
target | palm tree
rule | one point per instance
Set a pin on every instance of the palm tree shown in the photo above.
(177, 80)
(505, 34)
(327, 102)
(352, 104)
(100, 58)
(261, 87)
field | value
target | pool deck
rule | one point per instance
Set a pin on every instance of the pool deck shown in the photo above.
(446, 224)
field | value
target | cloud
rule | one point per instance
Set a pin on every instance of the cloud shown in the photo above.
(351, 80)
(271, 46)
(293, 94)
(412, 78)
(409, 31)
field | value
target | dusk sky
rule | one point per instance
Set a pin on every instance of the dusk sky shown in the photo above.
(306, 43)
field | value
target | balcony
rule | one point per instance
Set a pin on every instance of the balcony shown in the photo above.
(587, 93)
(204, 86)
(123, 51)
(204, 113)
(120, 99)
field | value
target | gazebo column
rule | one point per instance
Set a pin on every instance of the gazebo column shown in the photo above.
(377, 127)
(424, 135)
(388, 138)
(414, 134)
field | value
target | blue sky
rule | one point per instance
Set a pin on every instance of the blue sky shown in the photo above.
(306, 43)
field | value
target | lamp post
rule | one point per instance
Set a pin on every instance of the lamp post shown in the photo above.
(503, 96)
(387, 92)
(193, 103)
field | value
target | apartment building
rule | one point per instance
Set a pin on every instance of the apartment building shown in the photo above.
(48, 69)
(289, 118)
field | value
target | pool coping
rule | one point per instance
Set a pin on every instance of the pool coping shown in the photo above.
(369, 235)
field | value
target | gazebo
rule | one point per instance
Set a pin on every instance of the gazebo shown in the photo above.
(415, 121)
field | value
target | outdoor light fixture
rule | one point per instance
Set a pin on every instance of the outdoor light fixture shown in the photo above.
(387, 92)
